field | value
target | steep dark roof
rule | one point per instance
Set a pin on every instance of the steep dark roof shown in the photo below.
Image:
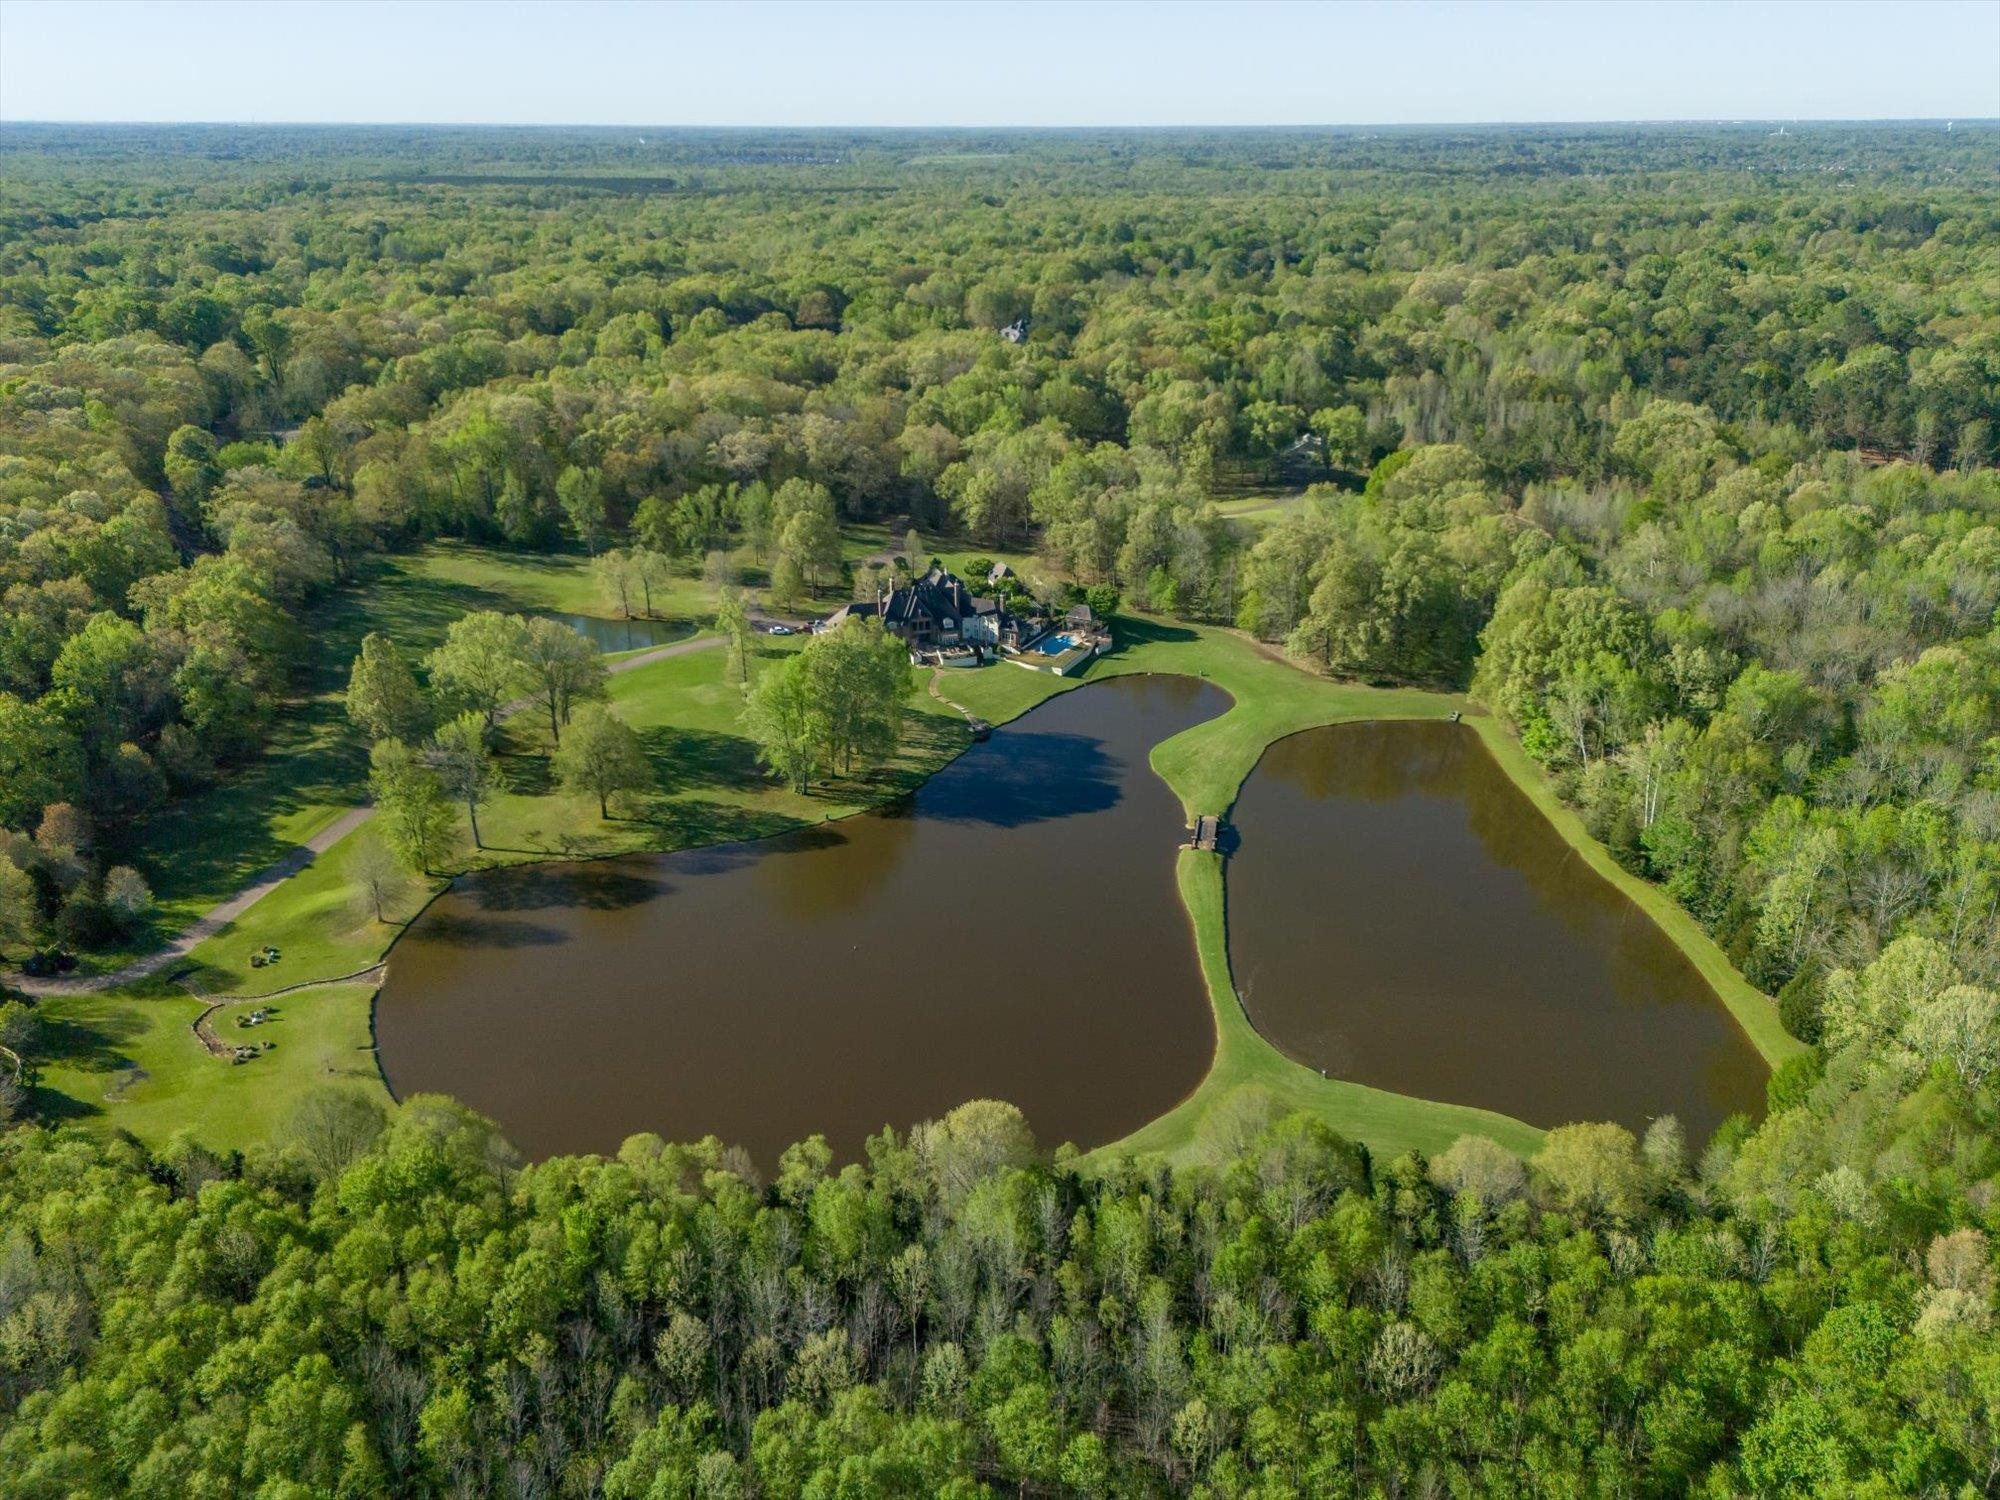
(936, 596)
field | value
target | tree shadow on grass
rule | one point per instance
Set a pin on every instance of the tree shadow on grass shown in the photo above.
(54, 1107)
(201, 976)
(692, 823)
(701, 759)
(525, 775)
(95, 1047)
(1131, 630)
(930, 742)
(211, 844)
(415, 609)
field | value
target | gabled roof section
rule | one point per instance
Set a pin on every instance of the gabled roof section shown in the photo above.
(937, 595)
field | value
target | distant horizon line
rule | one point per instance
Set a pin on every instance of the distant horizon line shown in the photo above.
(1329, 125)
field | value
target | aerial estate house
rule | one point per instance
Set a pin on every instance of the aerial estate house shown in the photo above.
(945, 624)
(929, 613)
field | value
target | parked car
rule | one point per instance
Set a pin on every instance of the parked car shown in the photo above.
(782, 630)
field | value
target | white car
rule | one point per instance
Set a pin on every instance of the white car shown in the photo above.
(782, 630)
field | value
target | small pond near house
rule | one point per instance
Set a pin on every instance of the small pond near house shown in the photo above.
(622, 635)
(1400, 914)
(1013, 930)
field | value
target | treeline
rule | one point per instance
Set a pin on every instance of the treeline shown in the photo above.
(219, 386)
(213, 403)
(152, 584)
(1776, 690)
(395, 1305)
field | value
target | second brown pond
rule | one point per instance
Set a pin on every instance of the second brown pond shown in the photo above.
(1402, 915)
(1013, 931)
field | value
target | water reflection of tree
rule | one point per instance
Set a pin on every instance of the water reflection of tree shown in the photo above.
(595, 885)
(824, 872)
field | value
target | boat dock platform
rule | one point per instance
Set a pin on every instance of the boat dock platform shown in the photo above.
(1211, 835)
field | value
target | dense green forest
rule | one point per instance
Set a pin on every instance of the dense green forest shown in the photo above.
(1677, 446)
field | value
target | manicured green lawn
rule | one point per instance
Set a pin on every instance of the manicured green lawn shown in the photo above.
(998, 692)
(562, 583)
(710, 787)
(319, 922)
(133, 1063)
(203, 849)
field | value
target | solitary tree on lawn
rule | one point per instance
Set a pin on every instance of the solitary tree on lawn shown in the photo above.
(600, 757)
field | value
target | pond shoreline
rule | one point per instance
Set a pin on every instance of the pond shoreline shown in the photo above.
(1409, 917)
(841, 976)
(1206, 768)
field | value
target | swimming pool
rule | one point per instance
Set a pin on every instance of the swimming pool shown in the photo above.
(1054, 645)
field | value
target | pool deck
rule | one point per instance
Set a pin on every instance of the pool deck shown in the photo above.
(1062, 663)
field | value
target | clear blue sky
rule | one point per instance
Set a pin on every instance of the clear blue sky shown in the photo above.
(833, 63)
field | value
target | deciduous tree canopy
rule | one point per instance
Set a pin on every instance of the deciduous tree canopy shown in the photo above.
(1675, 445)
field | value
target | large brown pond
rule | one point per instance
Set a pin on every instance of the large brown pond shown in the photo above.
(1402, 915)
(1012, 931)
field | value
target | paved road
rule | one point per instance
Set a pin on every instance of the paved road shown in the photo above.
(269, 879)
(661, 653)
